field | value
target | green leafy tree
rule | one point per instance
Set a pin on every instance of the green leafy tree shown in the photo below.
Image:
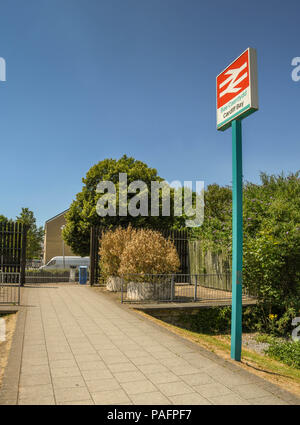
(82, 213)
(215, 232)
(271, 265)
(35, 234)
(3, 218)
(272, 248)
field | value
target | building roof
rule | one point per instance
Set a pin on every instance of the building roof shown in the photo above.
(58, 215)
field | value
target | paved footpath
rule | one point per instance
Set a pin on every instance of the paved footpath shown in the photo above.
(75, 346)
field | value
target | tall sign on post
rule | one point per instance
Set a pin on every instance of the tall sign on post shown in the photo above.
(237, 97)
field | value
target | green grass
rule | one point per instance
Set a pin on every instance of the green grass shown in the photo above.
(287, 352)
(264, 338)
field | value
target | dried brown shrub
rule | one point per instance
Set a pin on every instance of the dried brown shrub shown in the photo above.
(148, 252)
(112, 245)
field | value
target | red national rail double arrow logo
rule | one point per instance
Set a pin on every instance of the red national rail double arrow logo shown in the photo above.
(233, 80)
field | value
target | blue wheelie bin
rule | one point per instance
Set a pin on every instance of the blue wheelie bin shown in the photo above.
(82, 275)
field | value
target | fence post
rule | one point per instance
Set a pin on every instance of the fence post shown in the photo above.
(23, 255)
(92, 255)
(19, 292)
(122, 280)
(195, 293)
(98, 232)
(172, 287)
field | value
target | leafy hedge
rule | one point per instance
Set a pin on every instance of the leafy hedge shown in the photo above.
(52, 272)
(215, 320)
(271, 269)
(48, 276)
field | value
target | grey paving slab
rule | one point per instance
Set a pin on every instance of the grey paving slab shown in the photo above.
(71, 394)
(249, 391)
(174, 362)
(36, 401)
(138, 387)
(68, 382)
(34, 370)
(268, 401)
(128, 376)
(35, 351)
(230, 379)
(93, 365)
(115, 359)
(122, 367)
(166, 354)
(38, 379)
(229, 399)
(79, 402)
(214, 389)
(110, 397)
(86, 357)
(65, 372)
(143, 360)
(96, 385)
(60, 356)
(154, 398)
(35, 361)
(163, 377)
(75, 346)
(96, 374)
(197, 379)
(66, 363)
(32, 391)
(153, 368)
(198, 361)
(175, 388)
(184, 370)
(189, 399)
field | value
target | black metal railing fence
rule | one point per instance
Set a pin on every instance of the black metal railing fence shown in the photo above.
(180, 239)
(175, 288)
(51, 276)
(10, 288)
(13, 240)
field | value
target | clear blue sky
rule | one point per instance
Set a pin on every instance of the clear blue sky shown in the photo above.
(91, 79)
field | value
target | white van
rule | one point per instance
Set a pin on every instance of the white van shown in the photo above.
(66, 262)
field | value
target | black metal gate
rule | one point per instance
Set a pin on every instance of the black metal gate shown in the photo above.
(13, 237)
(179, 237)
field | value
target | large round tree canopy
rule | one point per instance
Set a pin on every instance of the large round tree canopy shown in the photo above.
(82, 213)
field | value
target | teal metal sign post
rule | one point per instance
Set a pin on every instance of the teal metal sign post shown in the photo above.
(237, 97)
(237, 240)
